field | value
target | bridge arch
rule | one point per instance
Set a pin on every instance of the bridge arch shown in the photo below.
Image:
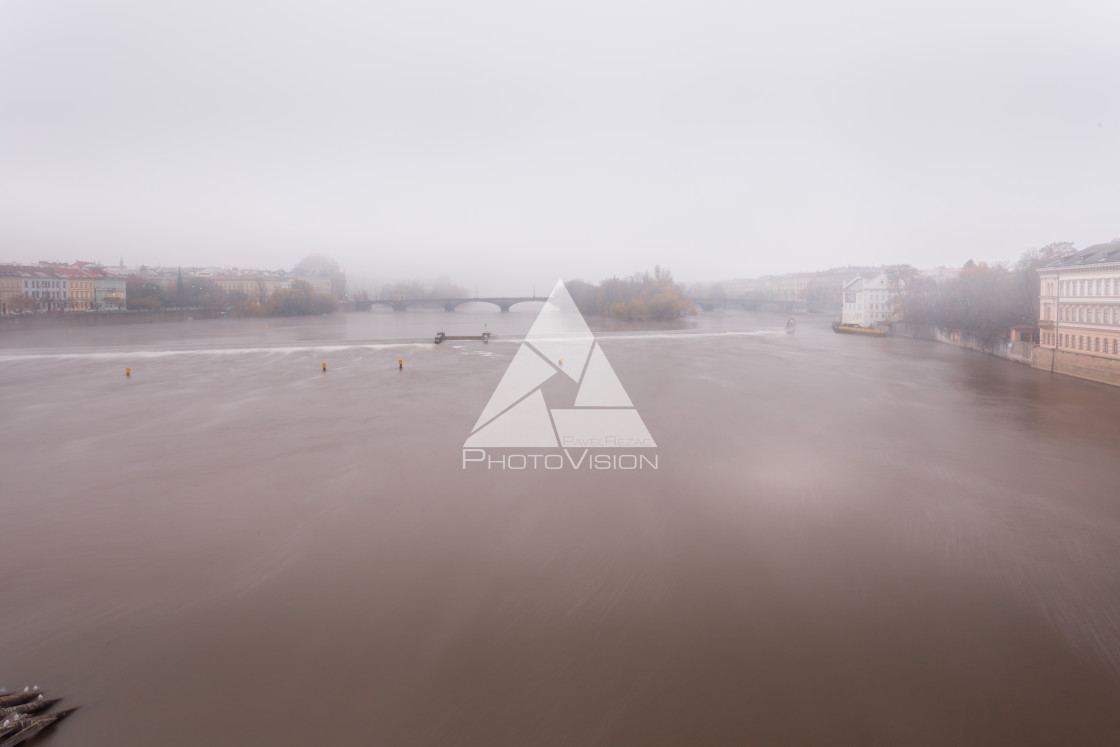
(525, 306)
(482, 304)
(420, 305)
(504, 303)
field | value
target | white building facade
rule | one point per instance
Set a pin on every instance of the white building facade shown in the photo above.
(1079, 304)
(867, 302)
(110, 292)
(49, 289)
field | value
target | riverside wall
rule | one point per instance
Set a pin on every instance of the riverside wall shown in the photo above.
(1015, 351)
(1072, 363)
(1066, 362)
(100, 318)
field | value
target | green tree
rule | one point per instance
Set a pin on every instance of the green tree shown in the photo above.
(300, 299)
(641, 296)
(143, 294)
(24, 303)
(900, 278)
(1027, 279)
(238, 300)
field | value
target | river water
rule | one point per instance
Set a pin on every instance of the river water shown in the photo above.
(846, 541)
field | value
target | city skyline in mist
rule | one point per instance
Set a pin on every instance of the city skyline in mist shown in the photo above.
(502, 146)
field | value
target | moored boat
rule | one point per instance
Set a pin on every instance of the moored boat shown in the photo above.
(858, 330)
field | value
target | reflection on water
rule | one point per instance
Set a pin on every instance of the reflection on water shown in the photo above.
(847, 541)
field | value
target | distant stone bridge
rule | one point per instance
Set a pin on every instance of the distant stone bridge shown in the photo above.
(449, 304)
(505, 302)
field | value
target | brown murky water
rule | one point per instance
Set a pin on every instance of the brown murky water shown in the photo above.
(848, 541)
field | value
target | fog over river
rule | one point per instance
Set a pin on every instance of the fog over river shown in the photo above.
(846, 541)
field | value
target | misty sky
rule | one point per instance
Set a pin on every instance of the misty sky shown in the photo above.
(505, 144)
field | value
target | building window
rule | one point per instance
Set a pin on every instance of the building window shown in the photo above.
(1098, 316)
(1097, 345)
